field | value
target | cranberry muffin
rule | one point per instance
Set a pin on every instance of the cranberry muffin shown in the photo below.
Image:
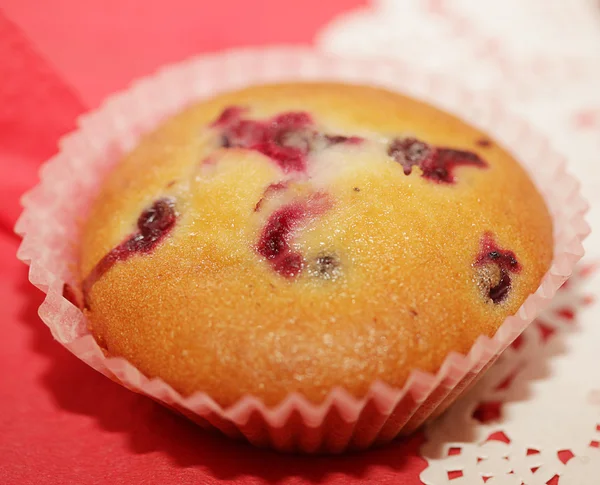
(299, 237)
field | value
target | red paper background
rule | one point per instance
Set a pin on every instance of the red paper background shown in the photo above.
(60, 421)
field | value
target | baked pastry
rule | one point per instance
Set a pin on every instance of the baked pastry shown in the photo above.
(299, 237)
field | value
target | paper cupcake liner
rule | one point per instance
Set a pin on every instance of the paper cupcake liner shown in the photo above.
(54, 208)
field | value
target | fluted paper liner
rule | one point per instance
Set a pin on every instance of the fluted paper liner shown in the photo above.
(55, 207)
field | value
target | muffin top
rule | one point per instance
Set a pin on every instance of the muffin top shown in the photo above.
(299, 237)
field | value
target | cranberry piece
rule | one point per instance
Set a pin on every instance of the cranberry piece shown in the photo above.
(499, 292)
(274, 239)
(326, 263)
(326, 266)
(446, 159)
(436, 164)
(158, 218)
(290, 159)
(494, 268)
(274, 242)
(153, 224)
(491, 253)
(287, 138)
(409, 152)
(290, 265)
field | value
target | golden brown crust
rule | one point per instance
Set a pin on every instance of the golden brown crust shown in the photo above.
(205, 312)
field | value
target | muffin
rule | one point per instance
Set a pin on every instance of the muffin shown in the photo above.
(301, 237)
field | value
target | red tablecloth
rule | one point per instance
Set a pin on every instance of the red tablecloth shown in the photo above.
(60, 421)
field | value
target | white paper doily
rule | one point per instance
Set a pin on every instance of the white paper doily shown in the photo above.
(534, 418)
(536, 413)
(551, 29)
(522, 48)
